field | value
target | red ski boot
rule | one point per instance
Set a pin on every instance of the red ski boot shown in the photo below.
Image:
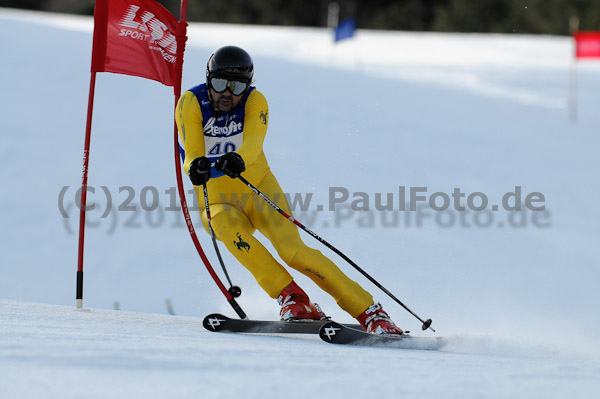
(376, 321)
(295, 305)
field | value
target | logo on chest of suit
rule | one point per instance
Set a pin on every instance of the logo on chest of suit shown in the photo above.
(229, 128)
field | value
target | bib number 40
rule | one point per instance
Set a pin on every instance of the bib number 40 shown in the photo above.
(222, 148)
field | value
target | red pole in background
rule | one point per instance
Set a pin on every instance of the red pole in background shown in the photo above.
(83, 201)
(181, 39)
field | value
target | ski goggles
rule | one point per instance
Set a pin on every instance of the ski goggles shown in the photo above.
(236, 87)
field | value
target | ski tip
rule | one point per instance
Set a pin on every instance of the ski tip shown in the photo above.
(214, 321)
(329, 332)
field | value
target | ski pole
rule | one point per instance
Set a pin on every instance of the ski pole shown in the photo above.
(426, 324)
(234, 290)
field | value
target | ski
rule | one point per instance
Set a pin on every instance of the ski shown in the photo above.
(220, 323)
(335, 333)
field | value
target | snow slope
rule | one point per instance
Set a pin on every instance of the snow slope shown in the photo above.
(485, 113)
(59, 352)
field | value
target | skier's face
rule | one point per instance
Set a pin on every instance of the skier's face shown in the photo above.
(224, 101)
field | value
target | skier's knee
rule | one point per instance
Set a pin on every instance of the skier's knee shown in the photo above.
(287, 252)
(226, 226)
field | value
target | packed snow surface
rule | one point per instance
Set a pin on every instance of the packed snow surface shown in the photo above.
(515, 293)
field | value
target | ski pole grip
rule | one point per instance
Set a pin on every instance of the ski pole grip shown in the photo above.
(237, 308)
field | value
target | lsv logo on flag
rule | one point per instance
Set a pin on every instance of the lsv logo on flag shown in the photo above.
(159, 37)
(135, 37)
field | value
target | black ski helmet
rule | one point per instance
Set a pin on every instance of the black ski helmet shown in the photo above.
(230, 62)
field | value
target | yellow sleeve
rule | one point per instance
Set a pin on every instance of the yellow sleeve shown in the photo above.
(256, 121)
(189, 122)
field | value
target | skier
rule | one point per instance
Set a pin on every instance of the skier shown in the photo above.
(222, 124)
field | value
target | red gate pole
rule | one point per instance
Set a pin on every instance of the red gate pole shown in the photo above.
(83, 200)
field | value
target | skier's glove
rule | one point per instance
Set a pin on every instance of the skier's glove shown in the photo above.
(200, 171)
(231, 164)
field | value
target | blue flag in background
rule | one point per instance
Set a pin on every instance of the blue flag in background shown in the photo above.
(345, 29)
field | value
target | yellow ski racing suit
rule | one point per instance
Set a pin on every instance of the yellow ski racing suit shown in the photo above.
(237, 212)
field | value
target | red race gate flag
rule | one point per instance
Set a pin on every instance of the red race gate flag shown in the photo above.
(587, 44)
(135, 37)
(139, 38)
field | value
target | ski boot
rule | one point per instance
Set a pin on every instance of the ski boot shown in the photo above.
(295, 305)
(376, 321)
